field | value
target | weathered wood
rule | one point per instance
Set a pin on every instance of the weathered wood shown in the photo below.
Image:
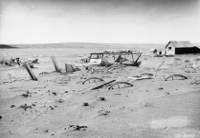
(30, 72)
(55, 64)
(100, 86)
(93, 78)
(159, 67)
(69, 68)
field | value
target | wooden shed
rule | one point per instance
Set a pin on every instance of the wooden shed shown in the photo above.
(180, 47)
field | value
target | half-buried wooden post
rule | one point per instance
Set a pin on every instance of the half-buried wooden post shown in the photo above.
(30, 72)
(55, 64)
(69, 68)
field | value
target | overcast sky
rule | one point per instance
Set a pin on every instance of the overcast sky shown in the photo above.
(107, 21)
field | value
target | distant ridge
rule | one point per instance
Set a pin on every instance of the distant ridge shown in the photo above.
(83, 45)
(3, 46)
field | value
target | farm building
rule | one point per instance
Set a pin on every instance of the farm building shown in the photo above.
(180, 47)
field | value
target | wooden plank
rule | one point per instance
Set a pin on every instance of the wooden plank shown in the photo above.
(69, 68)
(30, 72)
(100, 86)
(55, 64)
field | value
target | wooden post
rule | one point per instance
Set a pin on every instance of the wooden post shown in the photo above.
(69, 68)
(30, 72)
(159, 67)
(55, 64)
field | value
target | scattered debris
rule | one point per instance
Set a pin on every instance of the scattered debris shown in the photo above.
(60, 101)
(102, 85)
(196, 81)
(77, 127)
(120, 85)
(146, 104)
(12, 106)
(103, 112)
(46, 131)
(34, 61)
(176, 77)
(50, 107)
(25, 107)
(26, 95)
(119, 66)
(102, 98)
(94, 79)
(85, 104)
(191, 71)
(54, 93)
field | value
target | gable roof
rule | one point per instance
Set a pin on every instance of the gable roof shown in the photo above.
(180, 44)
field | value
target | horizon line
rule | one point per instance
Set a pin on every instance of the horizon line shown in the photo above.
(88, 43)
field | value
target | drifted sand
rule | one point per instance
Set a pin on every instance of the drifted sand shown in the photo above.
(152, 108)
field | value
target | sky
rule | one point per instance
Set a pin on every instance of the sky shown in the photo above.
(99, 21)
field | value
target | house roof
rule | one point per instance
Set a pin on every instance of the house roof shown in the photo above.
(180, 44)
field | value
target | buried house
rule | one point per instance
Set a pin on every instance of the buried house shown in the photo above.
(180, 47)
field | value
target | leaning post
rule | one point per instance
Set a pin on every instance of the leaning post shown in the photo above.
(30, 72)
(55, 64)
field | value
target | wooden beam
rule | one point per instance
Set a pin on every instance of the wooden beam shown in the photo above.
(69, 68)
(30, 72)
(55, 64)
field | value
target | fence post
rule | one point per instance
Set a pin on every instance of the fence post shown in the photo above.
(55, 64)
(69, 68)
(30, 72)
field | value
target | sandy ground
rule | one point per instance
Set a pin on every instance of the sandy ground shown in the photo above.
(60, 106)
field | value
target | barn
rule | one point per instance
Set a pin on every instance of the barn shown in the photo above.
(180, 47)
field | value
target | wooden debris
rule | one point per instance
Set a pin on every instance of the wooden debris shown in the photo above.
(25, 107)
(102, 85)
(55, 64)
(33, 77)
(94, 79)
(69, 68)
(159, 67)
